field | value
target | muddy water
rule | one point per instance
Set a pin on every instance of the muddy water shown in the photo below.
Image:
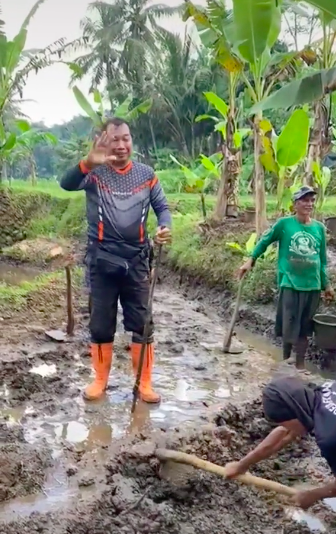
(16, 274)
(41, 384)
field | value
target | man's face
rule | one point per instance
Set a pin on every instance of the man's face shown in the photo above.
(305, 205)
(119, 142)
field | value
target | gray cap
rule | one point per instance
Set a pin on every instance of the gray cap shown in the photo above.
(303, 191)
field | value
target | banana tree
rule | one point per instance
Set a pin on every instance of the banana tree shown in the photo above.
(200, 178)
(99, 116)
(282, 155)
(227, 198)
(216, 31)
(322, 177)
(315, 88)
(257, 27)
(15, 65)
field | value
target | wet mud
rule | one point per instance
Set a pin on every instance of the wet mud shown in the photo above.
(135, 498)
(256, 319)
(69, 466)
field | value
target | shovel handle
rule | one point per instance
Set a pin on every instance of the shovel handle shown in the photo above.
(146, 330)
(228, 337)
(70, 312)
(247, 478)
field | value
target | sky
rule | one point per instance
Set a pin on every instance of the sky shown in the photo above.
(48, 93)
(49, 98)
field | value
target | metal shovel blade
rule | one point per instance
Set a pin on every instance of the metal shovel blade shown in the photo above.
(56, 335)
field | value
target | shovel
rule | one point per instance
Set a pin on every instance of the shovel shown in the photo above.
(228, 338)
(174, 457)
(59, 335)
(146, 330)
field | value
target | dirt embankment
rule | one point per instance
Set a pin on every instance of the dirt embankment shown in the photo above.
(18, 209)
(136, 499)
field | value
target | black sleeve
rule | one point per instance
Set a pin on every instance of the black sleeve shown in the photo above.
(74, 180)
(330, 456)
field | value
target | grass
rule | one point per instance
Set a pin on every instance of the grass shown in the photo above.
(19, 296)
(16, 296)
(206, 256)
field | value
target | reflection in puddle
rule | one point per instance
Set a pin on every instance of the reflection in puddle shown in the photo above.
(311, 521)
(56, 493)
(331, 503)
(16, 274)
(44, 369)
(72, 431)
(189, 375)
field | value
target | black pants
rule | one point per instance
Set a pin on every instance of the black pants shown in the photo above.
(295, 312)
(132, 290)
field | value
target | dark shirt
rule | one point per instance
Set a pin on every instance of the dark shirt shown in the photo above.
(118, 203)
(325, 422)
(288, 398)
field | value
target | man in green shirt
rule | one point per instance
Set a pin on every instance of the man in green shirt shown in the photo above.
(302, 273)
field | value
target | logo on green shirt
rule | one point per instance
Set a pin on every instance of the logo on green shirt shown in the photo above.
(303, 244)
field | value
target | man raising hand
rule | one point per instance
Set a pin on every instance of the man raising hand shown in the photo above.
(119, 193)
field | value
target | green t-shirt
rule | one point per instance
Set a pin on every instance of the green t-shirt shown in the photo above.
(302, 260)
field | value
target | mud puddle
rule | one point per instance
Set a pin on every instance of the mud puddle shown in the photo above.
(260, 343)
(137, 499)
(41, 384)
(16, 274)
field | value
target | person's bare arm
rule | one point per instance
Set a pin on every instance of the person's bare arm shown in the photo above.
(307, 498)
(274, 442)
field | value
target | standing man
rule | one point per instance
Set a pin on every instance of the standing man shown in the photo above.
(302, 273)
(119, 194)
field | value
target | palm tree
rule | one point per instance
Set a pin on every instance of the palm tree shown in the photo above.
(184, 73)
(25, 145)
(119, 37)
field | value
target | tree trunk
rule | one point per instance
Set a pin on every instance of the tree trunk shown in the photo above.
(4, 171)
(153, 138)
(204, 212)
(259, 180)
(33, 173)
(227, 197)
(319, 142)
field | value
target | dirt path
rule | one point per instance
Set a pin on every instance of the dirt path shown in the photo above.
(56, 449)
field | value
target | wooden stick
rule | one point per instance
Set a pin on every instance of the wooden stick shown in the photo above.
(228, 337)
(71, 317)
(247, 478)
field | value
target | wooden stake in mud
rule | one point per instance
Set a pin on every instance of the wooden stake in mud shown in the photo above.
(166, 455)
(146, 329)
(228, 337)
(71, 317)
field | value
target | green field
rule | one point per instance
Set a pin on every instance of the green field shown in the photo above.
(62, 214)
(52, 188)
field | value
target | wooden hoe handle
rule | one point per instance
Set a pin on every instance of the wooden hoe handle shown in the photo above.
(247, 478)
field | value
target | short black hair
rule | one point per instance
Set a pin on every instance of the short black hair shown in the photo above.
(115, 121)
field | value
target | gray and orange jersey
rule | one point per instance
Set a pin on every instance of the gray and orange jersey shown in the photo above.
(117, 204)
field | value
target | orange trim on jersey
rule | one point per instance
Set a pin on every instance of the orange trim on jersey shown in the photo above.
(125, 169)
(141, 187)
(83, 167)
(142, 233)
(100, 231)
(154, 182)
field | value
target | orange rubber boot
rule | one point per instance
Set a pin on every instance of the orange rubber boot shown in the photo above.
(101, 361)
(146, 393)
